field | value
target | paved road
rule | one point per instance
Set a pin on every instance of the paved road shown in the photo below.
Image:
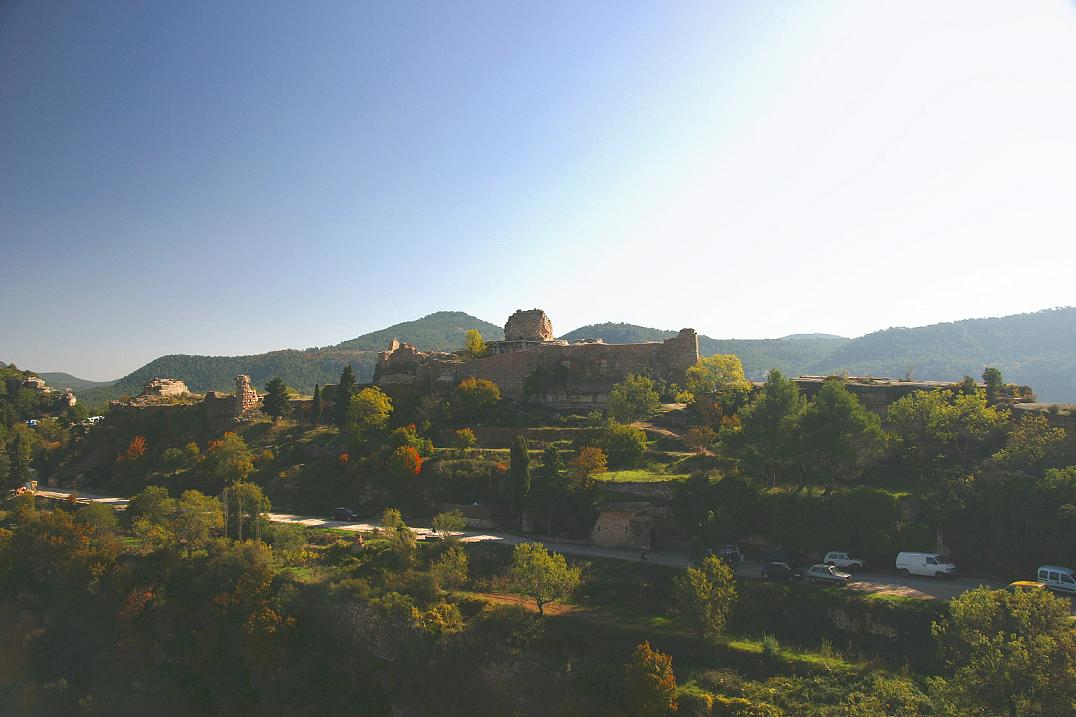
(915, 587)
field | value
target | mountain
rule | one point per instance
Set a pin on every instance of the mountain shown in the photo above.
(440, 331)
(790, 355)
(60, 380)
(1037, 349)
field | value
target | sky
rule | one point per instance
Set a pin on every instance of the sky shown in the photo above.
(231, 178)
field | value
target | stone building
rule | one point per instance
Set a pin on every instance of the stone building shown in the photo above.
(529, 365)
(165, 387)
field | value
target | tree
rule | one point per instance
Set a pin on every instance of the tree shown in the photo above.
(195, 518)
(719, 377)
(706, 595)
(276, 405)
(649, 683)
(369, 410)
(700, 438)
(1030, 442)
(519, 476)
(449, 524)
(464, 439)
(589, 462)
(405, 462)
(624, 445)
(228, 459)
(245, 506)
(633, 399)
(542, 576)
(474, 397)
(173, 458)
(100, 517)
(315, 412)
(451, 569)
(1011, 653)
(994, 383)
(474, 346)
(401, 539)
(19, 456)
(838, 436)
(342, 394)
(135, 450)
(768, 438)
(153, 504)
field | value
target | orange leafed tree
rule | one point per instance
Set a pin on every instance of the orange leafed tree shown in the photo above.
(406, 462)
(135, 449)
(589, 462)
(649, 683)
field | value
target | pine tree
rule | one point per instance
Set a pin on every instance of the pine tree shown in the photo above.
(276, 404)
(316, 412)
(347, 388)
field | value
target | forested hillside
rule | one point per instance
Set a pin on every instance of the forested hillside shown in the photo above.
(441, 331)
(1038, 350)
(62, 380)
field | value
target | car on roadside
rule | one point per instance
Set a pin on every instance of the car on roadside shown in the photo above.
(1057, 578)
(841, 559)
(780, 571)
(345, 514)
(830, 574)
(731, 554)
(932, 565)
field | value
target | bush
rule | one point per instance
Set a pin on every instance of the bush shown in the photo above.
(624, 445)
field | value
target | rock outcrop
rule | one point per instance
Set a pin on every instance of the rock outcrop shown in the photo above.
(531, 325)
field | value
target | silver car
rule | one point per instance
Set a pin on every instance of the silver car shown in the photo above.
(827, 574)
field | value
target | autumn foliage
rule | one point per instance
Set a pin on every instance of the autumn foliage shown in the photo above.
(589, 462)
(406, 462)
(135, 450)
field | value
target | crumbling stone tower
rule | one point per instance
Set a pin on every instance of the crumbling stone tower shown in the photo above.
(246, 398)
(531, 325)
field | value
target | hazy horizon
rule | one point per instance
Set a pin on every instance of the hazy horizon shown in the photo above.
(202, 179)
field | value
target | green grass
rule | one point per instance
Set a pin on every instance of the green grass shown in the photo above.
(639, 476)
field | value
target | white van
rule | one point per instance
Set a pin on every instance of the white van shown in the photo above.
(1058, 578)
(929, 564)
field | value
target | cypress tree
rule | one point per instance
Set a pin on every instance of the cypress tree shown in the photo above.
(315, 414)
(347, 388)
(519, 475)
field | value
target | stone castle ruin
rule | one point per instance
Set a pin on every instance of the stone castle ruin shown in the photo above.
(530, 365)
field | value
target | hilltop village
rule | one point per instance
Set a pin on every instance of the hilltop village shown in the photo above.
(575, 497)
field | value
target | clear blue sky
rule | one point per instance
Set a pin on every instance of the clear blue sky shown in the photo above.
(233, 177)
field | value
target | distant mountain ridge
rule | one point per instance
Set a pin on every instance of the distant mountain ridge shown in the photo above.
(1037, 349)
(60, 380)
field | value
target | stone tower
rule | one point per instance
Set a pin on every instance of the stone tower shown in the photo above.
(246, 398)
(531, 325)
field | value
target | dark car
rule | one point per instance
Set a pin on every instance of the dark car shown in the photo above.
(344, 514)
(731, 554)
(779, 556)
(781, 571)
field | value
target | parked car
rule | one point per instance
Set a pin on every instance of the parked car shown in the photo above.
(731, 554)
(1055, 577)
(778, 556)
(781, 571)
(930, 564)
(344, 514)
(843, 560)
(827, 574)
(1021, 585)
